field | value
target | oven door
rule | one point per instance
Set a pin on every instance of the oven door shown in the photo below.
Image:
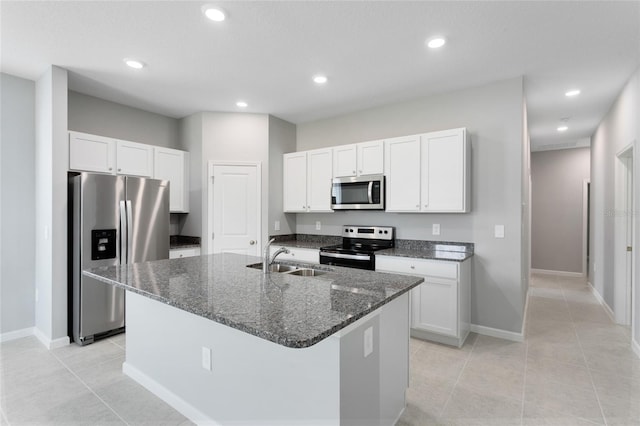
(358, 193)
(350, 260)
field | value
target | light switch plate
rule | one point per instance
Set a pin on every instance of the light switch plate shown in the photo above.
(318, 225)
(206, 358)
(435, 229)
(368, 341)
(499, 231)
(276, 225)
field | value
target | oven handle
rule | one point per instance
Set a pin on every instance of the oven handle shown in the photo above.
(346, 256)
(370, 192)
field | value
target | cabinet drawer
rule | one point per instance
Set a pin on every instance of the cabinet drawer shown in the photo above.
(184, 252)
(430, 268)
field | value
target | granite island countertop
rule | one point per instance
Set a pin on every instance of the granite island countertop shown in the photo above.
(293, 311)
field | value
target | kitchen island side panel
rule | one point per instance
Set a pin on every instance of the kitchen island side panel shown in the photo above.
(252, 380)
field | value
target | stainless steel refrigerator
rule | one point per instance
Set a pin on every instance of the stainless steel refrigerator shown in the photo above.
(116, 220)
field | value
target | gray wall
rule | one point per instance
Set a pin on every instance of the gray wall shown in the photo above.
(190, 130)
(557, 225)
(493, 116)
(100, 117)
(282, 139)
(618, 129)
(17, 188)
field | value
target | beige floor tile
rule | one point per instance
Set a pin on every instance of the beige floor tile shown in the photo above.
(102, 374)
(498, 377)
(435, 362)
(534, 415)
(623, 363)
(430, 394)
(80, 357)
(468, 406)
(551, 370)
(565, 352)
(86, 409)
(542, 394)
(136, 405)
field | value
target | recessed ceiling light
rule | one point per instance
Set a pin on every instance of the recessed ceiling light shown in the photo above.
(437, 42)
(562, 128)
(571, 93)
(134, 63)
(320, 79)
(214, 13)
(242, 104)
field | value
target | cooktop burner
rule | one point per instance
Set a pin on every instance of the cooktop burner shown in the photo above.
(358, 246)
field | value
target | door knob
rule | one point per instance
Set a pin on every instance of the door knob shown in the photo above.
(252, 242)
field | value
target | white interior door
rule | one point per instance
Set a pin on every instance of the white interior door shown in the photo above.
(235, 209)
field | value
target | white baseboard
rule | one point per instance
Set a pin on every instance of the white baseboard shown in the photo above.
(49, 343)
(604, 304)
(557, 273)
(186, 409)
(524, 315)
(636, 347)
(496, 332)
(16, 334)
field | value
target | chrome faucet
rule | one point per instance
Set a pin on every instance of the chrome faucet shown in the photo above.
(266, 261)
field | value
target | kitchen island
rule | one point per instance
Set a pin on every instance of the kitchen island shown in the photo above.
(225, 344)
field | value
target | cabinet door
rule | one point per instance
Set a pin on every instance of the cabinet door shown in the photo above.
(171, 164)
(91, 153)
(444, 171)
(434, 306)
(344, 160)
(184, 252)
(319, 173)
(402, 171)
(135, 159)
(294, 193)
(370, 158)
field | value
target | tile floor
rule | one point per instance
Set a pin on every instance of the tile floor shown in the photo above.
(575, 368)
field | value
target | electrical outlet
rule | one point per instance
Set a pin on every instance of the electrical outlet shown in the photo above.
(276, 225)
(435, 229)
(368, 341)
(499, 231)
(318, 225)
(206, 358)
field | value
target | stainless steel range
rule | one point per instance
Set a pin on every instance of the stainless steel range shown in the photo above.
(359, 244)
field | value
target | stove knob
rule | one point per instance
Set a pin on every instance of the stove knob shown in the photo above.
(386, 232)
(379, 232)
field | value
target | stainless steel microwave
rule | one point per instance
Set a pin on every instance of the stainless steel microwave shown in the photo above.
(358, 193)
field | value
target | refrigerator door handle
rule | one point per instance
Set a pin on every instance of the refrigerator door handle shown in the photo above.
(123, 233)
(129, 232)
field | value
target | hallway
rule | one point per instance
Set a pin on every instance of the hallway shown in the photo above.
(575, 368)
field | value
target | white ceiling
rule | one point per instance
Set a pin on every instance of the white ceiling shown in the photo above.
(373, 53)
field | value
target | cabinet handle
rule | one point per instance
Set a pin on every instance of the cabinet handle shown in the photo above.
(360, 171)
(119, 170)
(252, 242)
(418, 205)
(354, 172)
(413, 267)
(110, 168)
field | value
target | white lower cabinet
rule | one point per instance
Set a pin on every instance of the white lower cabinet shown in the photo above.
(184, 252)
(296, 253)
(440, 307)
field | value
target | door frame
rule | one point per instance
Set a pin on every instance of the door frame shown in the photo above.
(624, 234)
(209, 219)
(585, 225)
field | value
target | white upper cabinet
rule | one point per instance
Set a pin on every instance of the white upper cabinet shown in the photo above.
(445, 171)
(344, 160)
(365, 158)
(319, 172)
(92, 153)
(171, 164)
(294, 194)
(428, 173)
(402, 171)
(370, 158)
(134, 159)
(307, 181)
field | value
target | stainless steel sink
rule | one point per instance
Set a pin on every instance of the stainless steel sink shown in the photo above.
(290, 269)
(307, 272)
(275, 267)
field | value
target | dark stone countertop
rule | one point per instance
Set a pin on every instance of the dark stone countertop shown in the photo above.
(293, 311)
